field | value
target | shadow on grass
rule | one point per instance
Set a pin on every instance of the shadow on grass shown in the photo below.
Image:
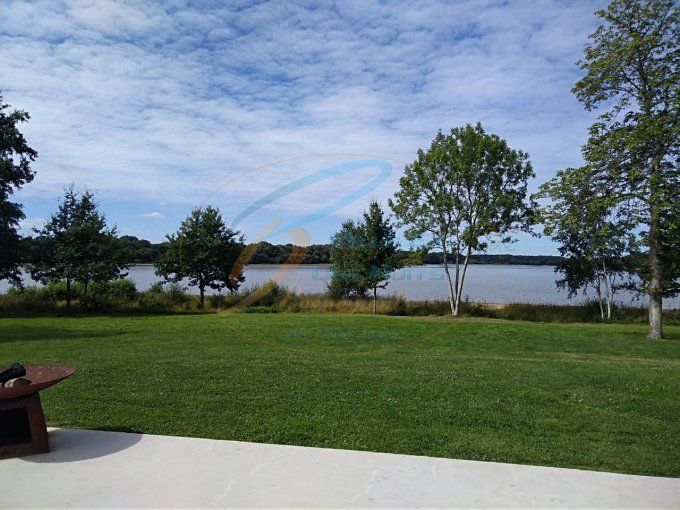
(33, 332)
(82, 314)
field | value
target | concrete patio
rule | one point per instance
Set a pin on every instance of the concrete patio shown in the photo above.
(94, 469)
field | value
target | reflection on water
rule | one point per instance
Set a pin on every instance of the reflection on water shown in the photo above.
(490, 283)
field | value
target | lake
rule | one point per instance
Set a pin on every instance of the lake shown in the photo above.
(489, 283)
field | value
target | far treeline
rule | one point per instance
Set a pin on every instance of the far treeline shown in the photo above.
(141, 251)
(616, 218)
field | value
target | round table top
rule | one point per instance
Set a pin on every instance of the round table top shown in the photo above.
(41, 377)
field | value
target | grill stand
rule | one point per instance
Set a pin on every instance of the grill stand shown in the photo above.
(22, 427)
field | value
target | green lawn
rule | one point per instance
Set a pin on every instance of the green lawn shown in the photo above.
(583, 396)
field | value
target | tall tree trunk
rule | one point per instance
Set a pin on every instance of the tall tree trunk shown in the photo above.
(607, 289)
(448, 277)
(68, 294)
(656, 276)
(457, 283)
(598, 293)
(655, 283)
(375, 299)
(202, 300)
(459, 289)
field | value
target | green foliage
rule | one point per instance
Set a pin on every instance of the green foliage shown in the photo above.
(266, 295)
(15, 171)
(632, 68)
(266, 253)
(122, 289)
(260, 309)
(469, 190)
(378, 255)
(592, 234)
(142, 251)
(205, 251)
(347, 280)
(55, 290)
(364, 254)
(109, 294)
(435, 257)
(77, 246)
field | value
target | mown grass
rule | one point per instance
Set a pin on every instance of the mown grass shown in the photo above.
(589, 396)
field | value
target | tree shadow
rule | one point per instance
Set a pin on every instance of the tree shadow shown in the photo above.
(35, 332)
(72, 445)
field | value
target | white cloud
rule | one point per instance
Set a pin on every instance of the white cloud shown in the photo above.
(156, 102)
(27, 225)
(155, 215)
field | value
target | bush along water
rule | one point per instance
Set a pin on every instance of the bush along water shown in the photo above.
(122, 296)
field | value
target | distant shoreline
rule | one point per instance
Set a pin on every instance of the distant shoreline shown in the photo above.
(326, 265)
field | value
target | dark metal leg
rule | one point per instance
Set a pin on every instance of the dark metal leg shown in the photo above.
(22, 427)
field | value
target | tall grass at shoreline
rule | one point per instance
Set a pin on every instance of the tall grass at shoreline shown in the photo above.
(121, 297)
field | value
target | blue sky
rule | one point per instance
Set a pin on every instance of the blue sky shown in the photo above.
(163, 106)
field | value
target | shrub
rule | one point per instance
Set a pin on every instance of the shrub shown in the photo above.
(260, 309)
(156, 288)
(224, 300)
(397, 305)
(177, 294)
(56, 290)
(122, 289)
(267, 294)
(112, 294)
(153, 301)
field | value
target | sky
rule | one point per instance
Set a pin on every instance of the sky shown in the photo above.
(288, 116)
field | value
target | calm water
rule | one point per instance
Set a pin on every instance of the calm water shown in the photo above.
(490, 283)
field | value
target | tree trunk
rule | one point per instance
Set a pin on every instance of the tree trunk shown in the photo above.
(457, 284)
(68, 294)
(598, 293)
(655, 300)
(656, 278)
(608, 290)
(202, 301)
(448, 277)
(609, 306)
(375, 298)
(459, 289)
(656, 271)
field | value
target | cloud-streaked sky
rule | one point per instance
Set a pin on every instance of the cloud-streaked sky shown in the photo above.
(161, 106)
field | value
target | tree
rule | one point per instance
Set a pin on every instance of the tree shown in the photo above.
(347, 281)
(378, 255)
(467, 191)
(76, 245)
(631, 67)
(141, 251)
(205, 251)
(363, 255)
(592, 236)
(15, 171)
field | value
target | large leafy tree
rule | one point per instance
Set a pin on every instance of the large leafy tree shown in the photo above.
(467, 191)
(631, 69)
(592, 234)
(204, 250)
(15, 171)
(76, 245)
